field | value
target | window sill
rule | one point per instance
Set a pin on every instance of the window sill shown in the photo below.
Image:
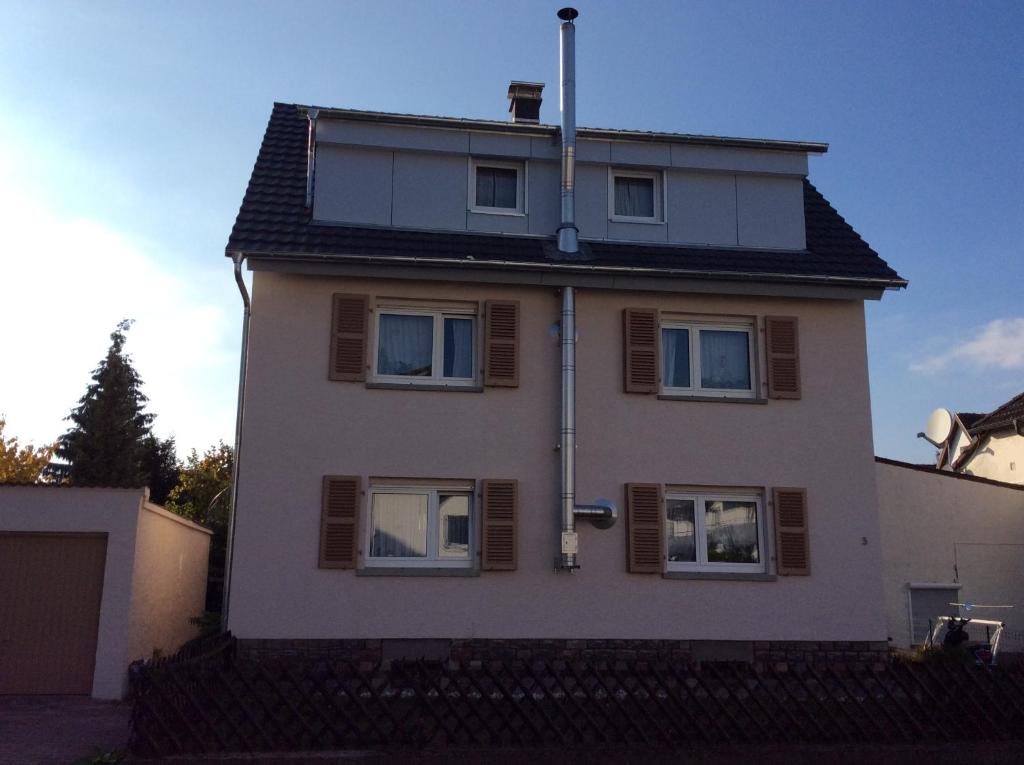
(417, 571)
(497, 211)
(725, 576)
(429, 386)
(717, 399)
(647, 221)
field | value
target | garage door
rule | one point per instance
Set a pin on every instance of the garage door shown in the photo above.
(50, 590)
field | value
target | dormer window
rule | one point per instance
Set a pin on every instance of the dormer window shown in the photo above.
(635, 196)
(497, 187)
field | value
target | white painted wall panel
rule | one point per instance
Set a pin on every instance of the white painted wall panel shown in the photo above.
(591, 201)
(770, 212)
(702, 208)
(431, 191)
(741, 160)
(392, 136)
(353, 185)
(636, 153)
(593, 151)
(499, 145)
(501, 224)
(544, 199)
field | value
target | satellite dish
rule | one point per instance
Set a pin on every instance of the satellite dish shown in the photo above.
(940, 423)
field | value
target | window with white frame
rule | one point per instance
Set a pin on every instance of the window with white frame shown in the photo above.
(712, 531)
(420, 526)
(425, 345)
(708, 358)
(497, 187)
(635, 196)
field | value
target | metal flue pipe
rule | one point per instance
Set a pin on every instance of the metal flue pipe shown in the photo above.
(567, 443)
(567, 231)
(602, 513)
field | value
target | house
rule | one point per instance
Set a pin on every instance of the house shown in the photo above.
(92, 579)
(949, 538)
(513, 387)
(987, 445)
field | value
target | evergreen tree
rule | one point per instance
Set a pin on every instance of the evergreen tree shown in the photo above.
(107, 444)
(160, 467)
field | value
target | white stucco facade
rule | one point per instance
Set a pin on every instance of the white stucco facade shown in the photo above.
(299, 426)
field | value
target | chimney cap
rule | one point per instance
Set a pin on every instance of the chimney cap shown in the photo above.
(522, 89)
(525, 99)
(568, 14)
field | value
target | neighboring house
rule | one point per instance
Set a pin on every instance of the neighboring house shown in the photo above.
(950, 538)
(92, 579)
(409, 457)
(986, 445)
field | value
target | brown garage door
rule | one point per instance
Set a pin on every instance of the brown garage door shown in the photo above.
(50, 590)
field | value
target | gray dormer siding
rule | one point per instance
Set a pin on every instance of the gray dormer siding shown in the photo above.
(369, 173)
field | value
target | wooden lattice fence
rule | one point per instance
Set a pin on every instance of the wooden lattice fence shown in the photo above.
(214, 701)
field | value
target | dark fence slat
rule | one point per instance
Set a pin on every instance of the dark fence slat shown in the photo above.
(208, 700)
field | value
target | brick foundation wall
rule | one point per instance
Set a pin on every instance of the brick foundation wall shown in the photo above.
(375, 650)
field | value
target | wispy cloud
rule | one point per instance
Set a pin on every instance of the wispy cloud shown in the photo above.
(66, 282)
(998, 344)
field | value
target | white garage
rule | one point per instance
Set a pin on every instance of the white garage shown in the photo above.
(90, 580)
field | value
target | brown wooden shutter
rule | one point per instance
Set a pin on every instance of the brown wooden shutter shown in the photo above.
(644, 527)
(783, 354)
(642, 346)
(500, 515)
(792, 547)
(349, 321)
(501, 343)
(339, 521)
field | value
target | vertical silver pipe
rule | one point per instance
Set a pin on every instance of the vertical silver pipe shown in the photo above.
(567, 231)
(311, 156)
(237, 457)
(567, 445)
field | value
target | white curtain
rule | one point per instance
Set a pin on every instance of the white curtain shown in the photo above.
(634, 197)
(724, 359)
(458, 347)
(406, 345)
(675, 357)
(399, 526)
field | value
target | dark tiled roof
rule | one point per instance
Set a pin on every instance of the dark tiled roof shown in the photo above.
(273, 221)
(969, 418)
(1001, 417)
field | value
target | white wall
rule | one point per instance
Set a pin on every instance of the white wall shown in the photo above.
(155, 573)
(169, 582)
(299, 426)
(1000, 458)
(939, 528)
(419, 178)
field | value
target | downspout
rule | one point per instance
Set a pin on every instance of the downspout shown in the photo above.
(602, 512)
(238, 258)
(311, 156)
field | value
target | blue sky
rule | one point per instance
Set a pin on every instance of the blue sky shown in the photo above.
(128, 132)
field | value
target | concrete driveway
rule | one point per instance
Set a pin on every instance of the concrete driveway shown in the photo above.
(59, 729)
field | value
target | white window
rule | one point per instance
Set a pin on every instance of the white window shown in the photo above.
(714, 532)
(425, 346)
(712, 358)
(420, 526)
(497, 187)
(635, 196)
